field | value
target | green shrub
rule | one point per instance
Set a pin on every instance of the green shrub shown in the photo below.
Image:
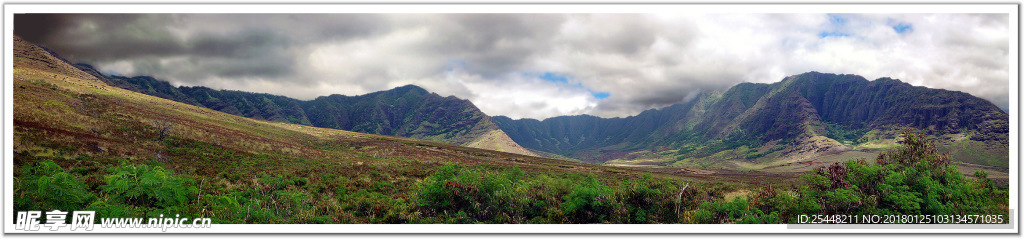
(103, 209)
(144, 185)
(648, 201)
(483, 196)
(737, 211)
(47, 186)
(224, 208)
(589, 202)
(376, 207)
(911, 179)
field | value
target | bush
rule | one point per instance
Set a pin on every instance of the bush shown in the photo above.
(914, 178)
(376, 207)
(479, 195)
(144, 185)
(737, 211)
(589, 202)
(648, 201)
(46, 186)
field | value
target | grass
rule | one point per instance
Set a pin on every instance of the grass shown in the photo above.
(274, 172)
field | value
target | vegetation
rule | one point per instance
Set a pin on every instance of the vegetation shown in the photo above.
(80, 144)
(912, 179)
(46, 185)
(844, 134)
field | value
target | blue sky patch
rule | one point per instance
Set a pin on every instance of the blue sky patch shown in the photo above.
(563, 81)
(836, 19)
(599, 95)
(552, 77)
(832, 34)
(903, 27)
(836, 24)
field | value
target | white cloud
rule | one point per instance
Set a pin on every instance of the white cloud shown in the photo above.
(642, 61)
(522, 96)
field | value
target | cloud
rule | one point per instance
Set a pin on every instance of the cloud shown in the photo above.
(612, 64)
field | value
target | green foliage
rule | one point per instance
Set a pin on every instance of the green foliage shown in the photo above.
(144, 185)
(104, 209)
(377, 207)
(911, 179)
(588, 202)
(47, 186)
(764, 153)
(648, 200)
(844, 134)
(476, 194)
(763, 208)
(463, 195)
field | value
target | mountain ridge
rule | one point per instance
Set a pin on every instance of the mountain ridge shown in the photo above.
(406, 111)
(748, 126)
(803, 116)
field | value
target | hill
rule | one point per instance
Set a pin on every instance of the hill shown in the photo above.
(408, 111)
(800, 119)
(80, 144)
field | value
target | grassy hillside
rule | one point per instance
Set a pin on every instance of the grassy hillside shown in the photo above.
(83, 145)
(408, 111)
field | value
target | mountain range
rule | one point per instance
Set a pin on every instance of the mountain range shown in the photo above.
(407, 111)
(800, 119)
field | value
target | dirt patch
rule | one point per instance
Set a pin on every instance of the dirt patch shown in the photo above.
(696, 171)
(729, 197)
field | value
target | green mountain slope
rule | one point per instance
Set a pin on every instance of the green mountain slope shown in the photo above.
(408, 111)
(752, 125)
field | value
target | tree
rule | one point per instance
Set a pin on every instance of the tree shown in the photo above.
(163, 127)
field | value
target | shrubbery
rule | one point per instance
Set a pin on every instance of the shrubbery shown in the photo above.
(47, 186)
(512, 197)
(912, 179)
(144, 185)
(589, 201)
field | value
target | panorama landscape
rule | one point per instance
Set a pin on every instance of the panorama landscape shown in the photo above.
(510, 118)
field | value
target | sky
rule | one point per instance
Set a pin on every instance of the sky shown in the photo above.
(533, 65)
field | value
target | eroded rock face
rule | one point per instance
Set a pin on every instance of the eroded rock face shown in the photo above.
(855, 102)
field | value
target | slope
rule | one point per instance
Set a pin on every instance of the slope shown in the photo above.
(408, 111)
(125, 154)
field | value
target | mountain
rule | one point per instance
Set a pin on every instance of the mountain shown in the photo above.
(566, 135)
(80, 144)
(408, 111)
(803, 120)
(753, 125)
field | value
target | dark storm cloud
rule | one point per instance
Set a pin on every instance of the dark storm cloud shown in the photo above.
(224, 45)
(642, 61)
(37, 27)
(99, 37)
